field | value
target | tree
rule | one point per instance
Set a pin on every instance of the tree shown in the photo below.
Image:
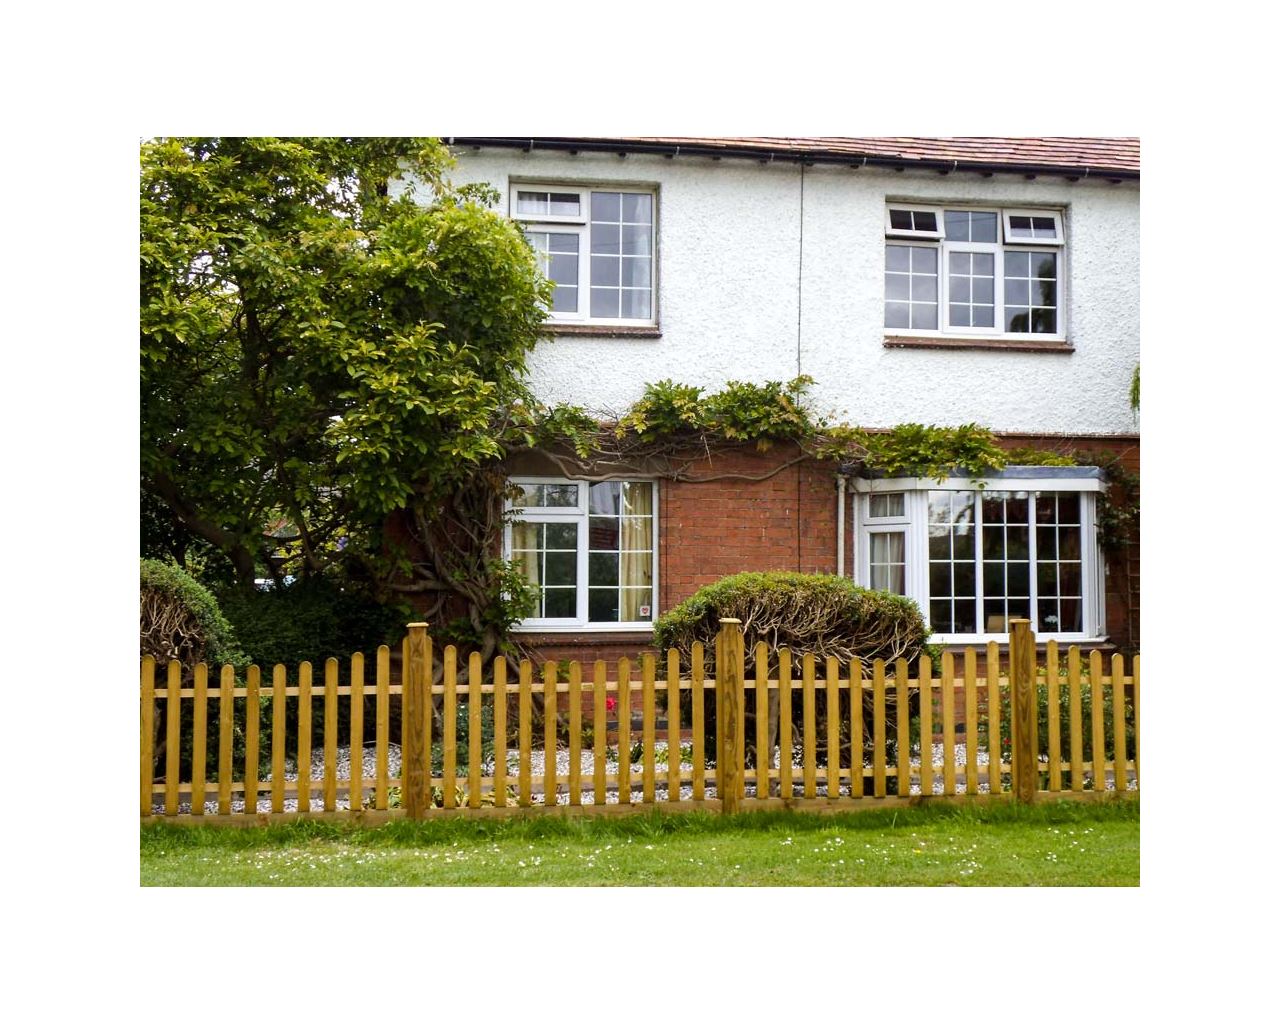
(319, 348)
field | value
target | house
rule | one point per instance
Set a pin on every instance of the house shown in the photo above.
(947, 281)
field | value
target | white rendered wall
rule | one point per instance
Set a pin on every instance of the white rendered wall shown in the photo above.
(736, 300)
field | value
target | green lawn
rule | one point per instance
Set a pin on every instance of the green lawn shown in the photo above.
(1048, 844)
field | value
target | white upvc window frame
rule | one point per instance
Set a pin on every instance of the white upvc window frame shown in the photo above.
(998, 248)
(916, 524)
(892, 232)
(581, 226)
(578, 513)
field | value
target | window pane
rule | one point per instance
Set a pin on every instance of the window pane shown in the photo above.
(561, 568)
(993, 579)
(605, 498)
(1016, 292)
(564, 269)
(1046, 265)
(897, 258)
(564, 300)
(964, 579)
(604, 302)
(984, 316)
(1017, 264)
(637, 533)
(606, 270)
(1069, 507)
(940, 617)
(957, 222)
(602, 570)
(562, 536)
(900, 220)
(605, 239)
(966, 616)
(887, 504)
(1017, 321)
(984, 264)
(1044, 321)
(1047, 579)
(924, 260)
(565, 204)
(526, 536)
(959, 316)
(604, 534)
(1044, 227)
(924, 289)
(560, 603)
(939, 542)
(1020, 227)
(635, 303)
(960, 262)
(637, 498)
(897, 314)
(637, 604)
(924, 317)
(982, 227)
(1046, 542)
(1018, 579)
(635, 239)
(897, 286)
(606, 206)
(1069, 618)
(638, 209)
(939, 579)
(925, 220)
(602, 604)
(635, 272)
(532, 202)
(984, 288)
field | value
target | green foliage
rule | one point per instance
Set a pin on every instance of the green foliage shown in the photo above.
(911, 449)
(1134, 390)
(462, 726)
(318, 345)
(1040, 457)
(181, 619)
(311, 620)
(741, 411)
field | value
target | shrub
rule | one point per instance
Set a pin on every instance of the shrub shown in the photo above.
(828, 616)
(180, 620)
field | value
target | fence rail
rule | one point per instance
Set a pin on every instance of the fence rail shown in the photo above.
(512, 738)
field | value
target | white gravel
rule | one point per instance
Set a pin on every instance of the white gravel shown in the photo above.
(537, 762)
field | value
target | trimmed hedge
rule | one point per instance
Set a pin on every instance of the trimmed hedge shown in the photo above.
(180, 619)
(829, 616)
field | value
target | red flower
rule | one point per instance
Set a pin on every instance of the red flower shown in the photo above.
(610, 703)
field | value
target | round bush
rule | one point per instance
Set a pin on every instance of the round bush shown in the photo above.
(180, 620)
(827, 616)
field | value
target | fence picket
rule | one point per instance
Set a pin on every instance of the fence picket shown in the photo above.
(1120, 768)
(252, 723)
(810, 728)
(1099, 751)
(877, 728)
(304, 737)
(1053, 700)
(624, 731)
(697, 663)
(903, 715)
(199, 737)
(357, 732)
(764, 753)
(948, 724)
(173, 736)
(786, 750)
(833, 729)
(575, 734)
(993, 718)
(279, 681)
(525, 736)
(926, 726)
(330, 734)
(449, 731)
(549, 720)
(382, 727)
(599, 696)
(147, 735)
(475, 704)
(1137, 723)
(647, 721)
(970, 720)
(1077, 726)
(226, 724)
(500, 731)
(673, 726)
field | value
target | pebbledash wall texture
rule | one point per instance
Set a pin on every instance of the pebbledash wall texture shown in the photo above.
(769, 269)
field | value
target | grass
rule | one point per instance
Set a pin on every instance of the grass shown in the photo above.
(1062, 843)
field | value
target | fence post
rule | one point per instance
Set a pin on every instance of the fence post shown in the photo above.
(416, 796)
(729, 654)
(1022, 687)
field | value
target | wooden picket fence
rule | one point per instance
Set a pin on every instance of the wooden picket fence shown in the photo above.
(230, 785)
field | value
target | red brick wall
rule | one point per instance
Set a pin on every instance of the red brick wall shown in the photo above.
(722, 519)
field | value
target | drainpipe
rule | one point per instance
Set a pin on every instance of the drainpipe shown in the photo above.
(840, 486)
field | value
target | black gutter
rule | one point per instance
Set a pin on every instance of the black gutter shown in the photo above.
(624, 146)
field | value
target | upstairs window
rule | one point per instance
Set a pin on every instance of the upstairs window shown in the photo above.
(596, 246)
(974, 272)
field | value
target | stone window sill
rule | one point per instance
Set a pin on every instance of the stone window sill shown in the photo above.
(603, 330)
(979, 344)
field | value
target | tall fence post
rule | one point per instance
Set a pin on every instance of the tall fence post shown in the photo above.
(1022, 686)
(729, 655)
(413, 765)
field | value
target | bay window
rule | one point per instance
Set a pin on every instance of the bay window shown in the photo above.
(994, 273)
(596, 245)
(589, 550)
(974, 554)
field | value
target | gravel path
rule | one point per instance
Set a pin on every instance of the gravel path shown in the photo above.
(537, 763)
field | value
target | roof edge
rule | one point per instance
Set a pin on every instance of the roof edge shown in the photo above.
(766, 155)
